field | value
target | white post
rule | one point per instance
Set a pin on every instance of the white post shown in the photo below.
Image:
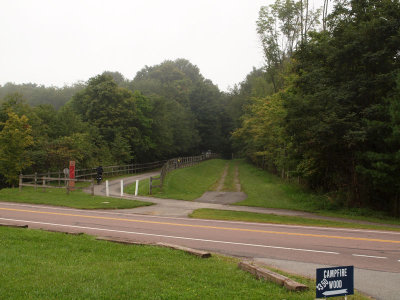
(122, 188)
(137, 187)
(107, 190)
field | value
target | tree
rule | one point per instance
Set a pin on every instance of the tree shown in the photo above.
(282, 27)
(380, 166)
(15, 139)
(181, 94)
(120, 149)
(115, 112)
(78, 147)
(262, 135)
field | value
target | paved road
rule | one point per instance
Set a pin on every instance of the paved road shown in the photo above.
(368, 250)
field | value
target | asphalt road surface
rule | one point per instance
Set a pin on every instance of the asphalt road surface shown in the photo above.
(365, 249)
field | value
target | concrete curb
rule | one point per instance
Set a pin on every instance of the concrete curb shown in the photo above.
(196, 252)
(14, 226)
(272, 276)
(62, 231)
(121, 241)
(202, 254)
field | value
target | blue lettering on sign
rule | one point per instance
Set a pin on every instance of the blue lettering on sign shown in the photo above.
(332, 282)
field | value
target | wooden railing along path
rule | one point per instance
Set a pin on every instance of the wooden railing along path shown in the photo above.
(58, 179)
(44, 182)
(177, 163)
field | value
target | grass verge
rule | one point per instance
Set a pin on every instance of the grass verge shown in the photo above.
(185, 184)
(213, 214)
(266, 190)
(58, 197)
(45, 265)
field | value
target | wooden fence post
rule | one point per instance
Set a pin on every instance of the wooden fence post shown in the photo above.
(35, 181)
(92, 187)
(44, 183)
(150, 185)
(20, 182)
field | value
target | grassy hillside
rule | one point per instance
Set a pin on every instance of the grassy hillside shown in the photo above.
(185, 184)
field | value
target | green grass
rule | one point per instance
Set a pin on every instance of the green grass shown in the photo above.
(186, 184)
(213, 214)
(58, 197)
(45, 265)
(267, 190)
(143, 188)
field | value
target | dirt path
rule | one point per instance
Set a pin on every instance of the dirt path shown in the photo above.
(220, 195)
(221, 187)
(221, 181)
(238, 187)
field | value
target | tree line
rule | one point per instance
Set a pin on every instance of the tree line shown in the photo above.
(325, 109)
(167, 110)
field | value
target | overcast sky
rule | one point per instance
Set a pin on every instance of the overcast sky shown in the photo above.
(57, 42)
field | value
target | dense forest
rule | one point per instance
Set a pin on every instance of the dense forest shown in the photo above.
(167, 110)
(324, 110)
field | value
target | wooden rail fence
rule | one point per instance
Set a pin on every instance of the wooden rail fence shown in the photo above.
(45, 182)
(107, 170)
(177, 163)
(57, 179)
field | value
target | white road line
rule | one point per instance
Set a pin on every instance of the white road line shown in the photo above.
(172, 237)
(370, 256)
(202, 220)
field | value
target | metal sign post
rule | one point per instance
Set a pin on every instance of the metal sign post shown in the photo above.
(333, 282)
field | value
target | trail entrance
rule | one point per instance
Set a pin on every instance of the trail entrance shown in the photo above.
(227, 190)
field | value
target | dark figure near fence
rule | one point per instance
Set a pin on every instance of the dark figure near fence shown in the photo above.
(99, 176)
